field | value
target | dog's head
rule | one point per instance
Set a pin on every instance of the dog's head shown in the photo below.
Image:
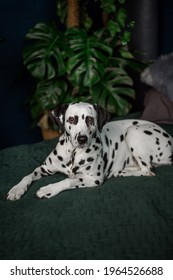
(80, 121)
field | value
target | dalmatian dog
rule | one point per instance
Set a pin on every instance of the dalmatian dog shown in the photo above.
(90, 150)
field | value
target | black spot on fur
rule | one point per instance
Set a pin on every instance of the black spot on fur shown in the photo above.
(169, 143)
(63, 166)
(106, 140)
(97, 182)
(60, 158)
(48, 194)
(151, 158)
(76, 187)
(80, 179)
(165, 135)
(161, 154)
(148, 132)
(156, 130)
(99, 166)
(43, 170)
(157, 141)
(74, 170)
(143, 163)
(95, 147)
(35, 173)
(50, 172)
(83, 116)
(82, 161)
(124, 165)
(98, 174)
(121, 137)
(171, 158)
(55, 152)
(116, 146)
(50, 160)
(132, 150)
(113, 154)
(62, 142)
(68, 135)
(88, 150)
(135, 122)
(68, 163)
(90, 159)
(110, 167)
(88, 167)
(98, 140)
(105, 160)
(128, 160)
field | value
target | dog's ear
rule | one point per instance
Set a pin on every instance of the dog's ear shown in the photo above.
(102, 116)
(58, 116)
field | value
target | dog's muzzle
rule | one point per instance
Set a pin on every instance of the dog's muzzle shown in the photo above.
(82, 139)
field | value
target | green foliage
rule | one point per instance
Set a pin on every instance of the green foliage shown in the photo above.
(113, 87)
(44, 58)
(90, 57)
(80, 64)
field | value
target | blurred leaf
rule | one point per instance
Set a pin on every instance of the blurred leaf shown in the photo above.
(112, 90)
(121, 1)
(44, 57)
(131, 24)
(48, 94)
(121, 17)
(126, 38)
(108, 6)
(90, 56)
(113, 27)
(125, 53)
(62, 10)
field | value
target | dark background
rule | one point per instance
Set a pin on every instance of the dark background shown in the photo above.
(152, 36)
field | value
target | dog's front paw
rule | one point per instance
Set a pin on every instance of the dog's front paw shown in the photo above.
(45, 192)
(16, 192)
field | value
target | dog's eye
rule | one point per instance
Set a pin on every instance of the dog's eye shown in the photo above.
(89, 120)
(73, 120)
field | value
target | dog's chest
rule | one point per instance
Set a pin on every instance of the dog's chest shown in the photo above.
(81, 160)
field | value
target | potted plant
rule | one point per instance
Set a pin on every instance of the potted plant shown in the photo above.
(80, 63)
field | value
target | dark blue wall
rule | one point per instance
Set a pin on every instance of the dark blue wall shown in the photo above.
(16, 18)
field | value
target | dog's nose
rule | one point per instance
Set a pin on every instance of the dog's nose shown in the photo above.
(82, 139)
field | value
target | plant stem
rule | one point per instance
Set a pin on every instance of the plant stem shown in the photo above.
(73, 13)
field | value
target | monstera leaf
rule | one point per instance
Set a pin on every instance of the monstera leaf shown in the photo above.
(48, 94)
(44, 57)
(113, 91)
(90, 57)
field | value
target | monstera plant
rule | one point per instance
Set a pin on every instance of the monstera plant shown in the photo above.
(81, 63)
